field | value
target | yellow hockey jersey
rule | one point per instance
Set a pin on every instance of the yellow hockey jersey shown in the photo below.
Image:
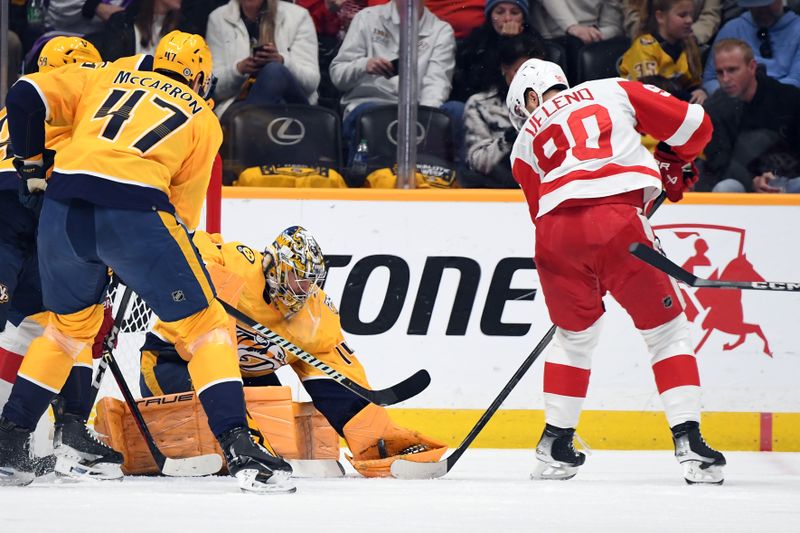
(646, 57)
(55, 138)
(315, 328)
(140, 140)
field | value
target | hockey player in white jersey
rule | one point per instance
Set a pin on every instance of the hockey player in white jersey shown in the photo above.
(587, 180)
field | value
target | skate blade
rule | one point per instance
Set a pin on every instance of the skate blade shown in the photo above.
(11, 477)
(69, 468)
(279, 483)
(695, 474)
(553, 471)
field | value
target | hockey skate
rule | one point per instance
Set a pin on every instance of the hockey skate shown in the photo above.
(80, 455)
(16, 467)
(701, 463)
(253, 466)
(556, 455)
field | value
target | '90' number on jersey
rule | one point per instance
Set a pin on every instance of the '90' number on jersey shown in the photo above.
(582, 149)
(120, 106)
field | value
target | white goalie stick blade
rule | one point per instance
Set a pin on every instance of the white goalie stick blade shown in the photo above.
(316, 468)
(403, 469)
(202, 465)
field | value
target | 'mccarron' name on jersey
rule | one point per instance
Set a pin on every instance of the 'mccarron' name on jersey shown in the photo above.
(172, 89)
(547, 109)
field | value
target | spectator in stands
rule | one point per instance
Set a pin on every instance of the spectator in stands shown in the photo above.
(756, 126)
(576, 23)
(476, 58)
(14, 58)
(774, 36)
(489, 132)
(706, 16)
(667, 48)
(138, 29)
(265, 52)
(81, 16)
(364, 73)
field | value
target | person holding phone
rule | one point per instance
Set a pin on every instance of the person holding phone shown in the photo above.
(364, 72)
(265, 52)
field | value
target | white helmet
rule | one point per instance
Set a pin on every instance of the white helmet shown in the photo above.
(538, 76)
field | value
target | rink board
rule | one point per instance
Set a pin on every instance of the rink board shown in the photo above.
(443, 280)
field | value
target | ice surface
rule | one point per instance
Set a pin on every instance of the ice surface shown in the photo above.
(487, 491)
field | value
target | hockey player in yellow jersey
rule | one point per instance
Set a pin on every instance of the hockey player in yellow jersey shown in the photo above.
(22, 314)
(125, 193)
(280, 288)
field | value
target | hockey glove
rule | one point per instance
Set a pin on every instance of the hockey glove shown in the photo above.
(33, 179)
(677, 175)
(105, 338)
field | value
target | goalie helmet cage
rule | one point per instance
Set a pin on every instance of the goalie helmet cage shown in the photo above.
(139, 318)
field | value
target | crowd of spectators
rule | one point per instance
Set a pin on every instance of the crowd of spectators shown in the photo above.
(739, 58)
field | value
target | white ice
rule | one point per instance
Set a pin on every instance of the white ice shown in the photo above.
(487, 491)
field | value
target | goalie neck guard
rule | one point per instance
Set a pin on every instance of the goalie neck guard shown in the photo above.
(60, 51)
(534, 75)
(187, 55)
(294, 268)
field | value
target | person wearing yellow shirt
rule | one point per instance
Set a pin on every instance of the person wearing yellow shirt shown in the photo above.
(125, 193)
(667, 49)
(280, 289)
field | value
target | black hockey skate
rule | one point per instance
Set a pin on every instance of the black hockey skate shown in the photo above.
(16, 467)
(701, 463)
(556, 454)
(253, 466)
(80, 455)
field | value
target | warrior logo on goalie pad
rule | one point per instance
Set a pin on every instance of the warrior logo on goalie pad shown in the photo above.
(258, 356)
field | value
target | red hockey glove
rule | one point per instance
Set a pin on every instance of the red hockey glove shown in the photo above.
(677, 175)
(105, 330)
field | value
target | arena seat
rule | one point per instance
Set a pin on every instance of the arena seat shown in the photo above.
(556, 53)
(280, 135)
(599, 60)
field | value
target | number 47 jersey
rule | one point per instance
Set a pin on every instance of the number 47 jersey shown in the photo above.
(140, 140)
(586, 142)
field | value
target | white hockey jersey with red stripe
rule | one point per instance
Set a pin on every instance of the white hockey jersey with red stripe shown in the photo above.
(586, 143)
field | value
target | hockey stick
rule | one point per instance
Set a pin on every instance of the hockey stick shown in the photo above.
(405, 469)
(404, 390)
(109, 343)
(661, 262)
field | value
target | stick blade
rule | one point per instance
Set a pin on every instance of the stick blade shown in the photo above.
(408, 388)
(202, 465)
(404, 469)
(316, 468)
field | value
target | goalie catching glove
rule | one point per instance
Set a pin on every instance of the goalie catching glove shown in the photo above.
(677, 175)
(376, 442)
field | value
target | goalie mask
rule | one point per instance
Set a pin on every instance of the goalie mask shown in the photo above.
(294, 268)
(534, 75)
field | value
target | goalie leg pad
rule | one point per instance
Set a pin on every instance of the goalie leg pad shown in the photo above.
(376, 442)
(179, 427)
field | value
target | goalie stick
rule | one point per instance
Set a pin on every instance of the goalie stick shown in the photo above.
(400, 392)
(405, 469)
(661, 262)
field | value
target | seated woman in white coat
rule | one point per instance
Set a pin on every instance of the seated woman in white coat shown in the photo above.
(265, 52)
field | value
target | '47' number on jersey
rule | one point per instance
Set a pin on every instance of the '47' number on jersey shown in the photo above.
(120, 106)
(582, 149)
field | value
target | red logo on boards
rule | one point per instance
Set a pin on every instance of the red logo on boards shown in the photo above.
(714, 252)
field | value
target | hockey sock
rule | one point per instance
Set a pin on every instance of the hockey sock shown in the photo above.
(224, 406)
(76, 391)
